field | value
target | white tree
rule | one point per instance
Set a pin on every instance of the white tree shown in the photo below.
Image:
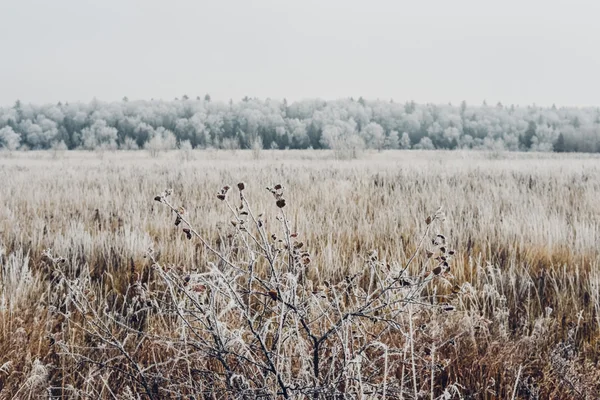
(544, 138)
(466, 142)
(162, 140)
(257, 146)
(9, 139)
(297, 131)
(405, 141)
(154, 145)
(336, 134)
(33, 134)
(129, 144)
(425, 144)
(392, 142)
(451, 134)
(99, 135)
(186, 150)
(373, 135)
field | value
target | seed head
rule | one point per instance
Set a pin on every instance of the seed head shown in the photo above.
(241, 186)
(280, 203)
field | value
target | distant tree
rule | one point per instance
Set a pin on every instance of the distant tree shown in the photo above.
(129, 144)
(392, 142)
(336, 134)
(463, 107)
(18, 107)
(207, 98)
(99, 135)
(9, 139)
(425, 144)
(373, 135)
(186, 150)
(162, 140)
(405, 141)
(257, 147)
(526, 139)
(559, 145)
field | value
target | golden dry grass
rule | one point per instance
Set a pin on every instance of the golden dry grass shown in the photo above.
(525, 227)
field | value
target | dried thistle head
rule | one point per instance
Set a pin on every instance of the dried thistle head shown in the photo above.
(280, 203)
(163, 196)
(241, 186)
(222, 194)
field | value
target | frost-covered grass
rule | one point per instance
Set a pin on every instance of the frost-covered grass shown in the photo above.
(524, 280)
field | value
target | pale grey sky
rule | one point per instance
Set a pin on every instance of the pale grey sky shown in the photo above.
(521, 52)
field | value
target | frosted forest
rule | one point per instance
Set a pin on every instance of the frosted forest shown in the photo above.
(344, 124)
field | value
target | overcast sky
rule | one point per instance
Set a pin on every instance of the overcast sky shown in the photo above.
(521, 52)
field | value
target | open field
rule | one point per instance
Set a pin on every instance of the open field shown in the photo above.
(525, 229)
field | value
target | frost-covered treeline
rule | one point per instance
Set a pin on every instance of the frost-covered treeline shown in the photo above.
(340, 125)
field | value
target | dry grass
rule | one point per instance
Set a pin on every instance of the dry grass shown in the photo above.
(525, 228)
